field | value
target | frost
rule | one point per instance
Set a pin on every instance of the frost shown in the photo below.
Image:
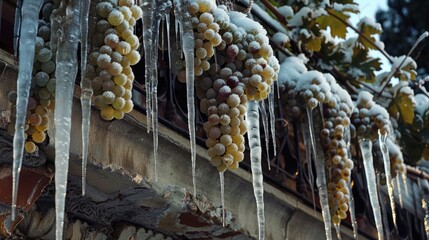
(30, 17)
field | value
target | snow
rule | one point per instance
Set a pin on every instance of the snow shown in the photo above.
(30, 16)
(369, 21)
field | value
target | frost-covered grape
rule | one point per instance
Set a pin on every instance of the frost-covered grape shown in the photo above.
(115, 17)
(44, 55)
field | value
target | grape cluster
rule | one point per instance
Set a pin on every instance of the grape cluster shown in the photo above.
(306, 90)
(228, 62)
(114, 52)
(335, 136)
(42, 93)
(368, 118)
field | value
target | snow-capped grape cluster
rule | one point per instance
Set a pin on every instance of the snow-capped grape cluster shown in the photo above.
(114, 52)
(42, 93)
(368, 118)
(226, 66)
(335, 136)
(306, 90)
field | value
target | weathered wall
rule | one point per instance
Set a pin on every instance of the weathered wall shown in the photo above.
(124, 145)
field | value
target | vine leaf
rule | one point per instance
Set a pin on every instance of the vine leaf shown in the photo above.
(363, 66)
(367, 29)
(403, 105)
(338, 29)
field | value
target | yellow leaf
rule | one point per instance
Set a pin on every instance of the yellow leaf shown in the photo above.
(403, 105)
(333, 21)
(314, 44)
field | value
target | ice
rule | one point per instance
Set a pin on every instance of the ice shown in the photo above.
(272, 119)
(347, 139)
(366, 149)
(424, 187)
(321, 175)
(252, 118)
(386, 161)
(86, 89)
(383, 207)
(222, 196)
(353, 214)
(30, 17)
(66, 70)
(397, 186)
(265, 126)
(308, 151)
(148, 8)
(338, 230)
(188, 44)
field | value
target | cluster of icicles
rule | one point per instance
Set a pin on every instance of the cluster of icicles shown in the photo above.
(225, 53)
(309, 92)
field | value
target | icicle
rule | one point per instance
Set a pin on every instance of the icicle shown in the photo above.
(338, 230)
(265, 126)
(386, 161)
(347, 138)
(188, 44)
(30, 21)
(353, 214)
(66, 71)
(272, 119)
(383, 207)
(403, 177)
(222, 196)
(321, 176)
(253, 135)
(148, 8)
(366, 149)
(86, 89)
(398, 187)
(424, 187)
(308, 151)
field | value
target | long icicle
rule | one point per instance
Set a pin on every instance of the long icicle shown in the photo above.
(319, 161)
(383, 207)
(272, 119)
(423, 186)
(397, 185)
(188, 44)
(308, 151)
(222, 195)
(30, 21)
(252, 118)
(86, 89)
(347, 139)
(265, 126)
(386, 161)
(66, 71)
(366, 149)
(148, 8)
